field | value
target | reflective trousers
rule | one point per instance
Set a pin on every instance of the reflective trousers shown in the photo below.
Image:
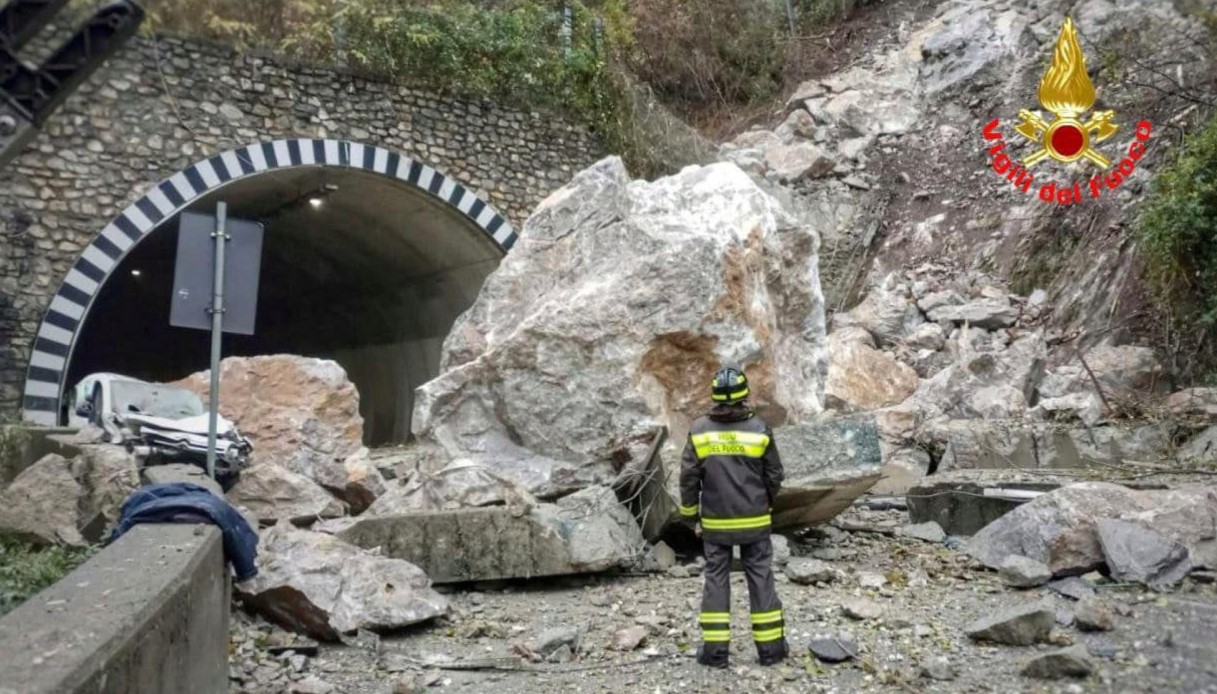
(768, 625)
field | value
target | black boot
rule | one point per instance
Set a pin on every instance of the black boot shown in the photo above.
(713, 655)
(773, 653)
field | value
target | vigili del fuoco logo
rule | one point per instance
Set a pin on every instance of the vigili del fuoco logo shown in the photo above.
(1067, 93)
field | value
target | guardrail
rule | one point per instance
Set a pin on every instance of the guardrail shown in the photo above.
(146, 615)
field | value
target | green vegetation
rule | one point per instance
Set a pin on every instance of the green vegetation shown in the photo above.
(622, 60)
(25, 570)
(13, 438)
(1176, 237)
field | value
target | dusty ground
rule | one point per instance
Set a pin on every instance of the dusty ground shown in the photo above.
(1161, 642)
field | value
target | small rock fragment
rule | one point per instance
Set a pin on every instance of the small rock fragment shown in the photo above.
(930, 531)
(861, 609)
(1020, 572)
(805, 571)
(1068, 662)
(939, 669)
(868, 579)
(833, 649)
(629, 638)
(1073, 587)
(551, 640)
(312, 685)
(665, 557)
(781, 550)
(1023, 625)
(1094, 615)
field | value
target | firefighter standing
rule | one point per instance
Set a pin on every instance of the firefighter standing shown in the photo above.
(729, 476)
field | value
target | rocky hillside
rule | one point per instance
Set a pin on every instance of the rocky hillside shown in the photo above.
(954, 296)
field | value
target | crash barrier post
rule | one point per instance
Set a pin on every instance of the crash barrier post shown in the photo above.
(146, 615)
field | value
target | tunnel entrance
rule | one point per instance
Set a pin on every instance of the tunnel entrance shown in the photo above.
(368, 269)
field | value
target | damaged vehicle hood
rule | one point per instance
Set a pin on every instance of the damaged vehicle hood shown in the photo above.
(196, 425)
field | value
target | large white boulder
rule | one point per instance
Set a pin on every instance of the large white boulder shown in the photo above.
(611, 314)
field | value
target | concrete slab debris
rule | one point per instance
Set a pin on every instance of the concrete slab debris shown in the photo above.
(585, 532)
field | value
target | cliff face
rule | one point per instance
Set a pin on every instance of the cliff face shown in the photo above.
(898, 153)
(1013, 291)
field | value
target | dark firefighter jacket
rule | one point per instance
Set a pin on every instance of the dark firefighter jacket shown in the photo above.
(730, 474)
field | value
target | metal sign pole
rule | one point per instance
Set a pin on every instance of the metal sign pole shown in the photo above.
(217, 331)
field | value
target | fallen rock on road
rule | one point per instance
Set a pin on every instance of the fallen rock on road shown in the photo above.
(274, 493)
(318, 585)
(300, 413)
(1074, 661)
(630, 293)
(586, 532)
(1135, 553)
(1023, 625)
(1021, 572)
(1059, 528)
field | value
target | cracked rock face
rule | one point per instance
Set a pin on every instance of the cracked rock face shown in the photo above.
(611, 314)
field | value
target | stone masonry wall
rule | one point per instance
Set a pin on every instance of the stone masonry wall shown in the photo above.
(164, 104)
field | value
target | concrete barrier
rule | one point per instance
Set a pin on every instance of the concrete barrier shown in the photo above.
(21, 446)
(147, 615)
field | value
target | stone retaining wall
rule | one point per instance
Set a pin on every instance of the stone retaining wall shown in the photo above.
(162, 105)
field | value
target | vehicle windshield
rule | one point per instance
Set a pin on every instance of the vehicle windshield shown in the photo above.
(131, 397)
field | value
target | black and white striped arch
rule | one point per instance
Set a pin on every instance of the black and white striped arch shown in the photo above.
(56, 338)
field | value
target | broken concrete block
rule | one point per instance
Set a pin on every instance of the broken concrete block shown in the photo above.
(182, 472)
(963, 502)
(582, 533)
(318, 585)
(1023, 625)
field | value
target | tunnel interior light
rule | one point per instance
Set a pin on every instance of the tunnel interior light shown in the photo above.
(316, 201)
(135, 273)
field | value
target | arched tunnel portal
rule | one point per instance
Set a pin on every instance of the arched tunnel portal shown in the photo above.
(368, 259)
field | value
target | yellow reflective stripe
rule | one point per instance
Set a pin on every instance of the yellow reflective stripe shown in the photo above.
(745, 443)
(762, 617)
(716, 636)
(689, 510)
(736, 523)
(714, 617)
(767, 635)
(737, 395)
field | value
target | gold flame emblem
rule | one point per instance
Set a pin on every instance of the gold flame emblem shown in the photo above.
(1067, 92)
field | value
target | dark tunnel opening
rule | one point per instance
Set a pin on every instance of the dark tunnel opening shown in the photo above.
(356, 267)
